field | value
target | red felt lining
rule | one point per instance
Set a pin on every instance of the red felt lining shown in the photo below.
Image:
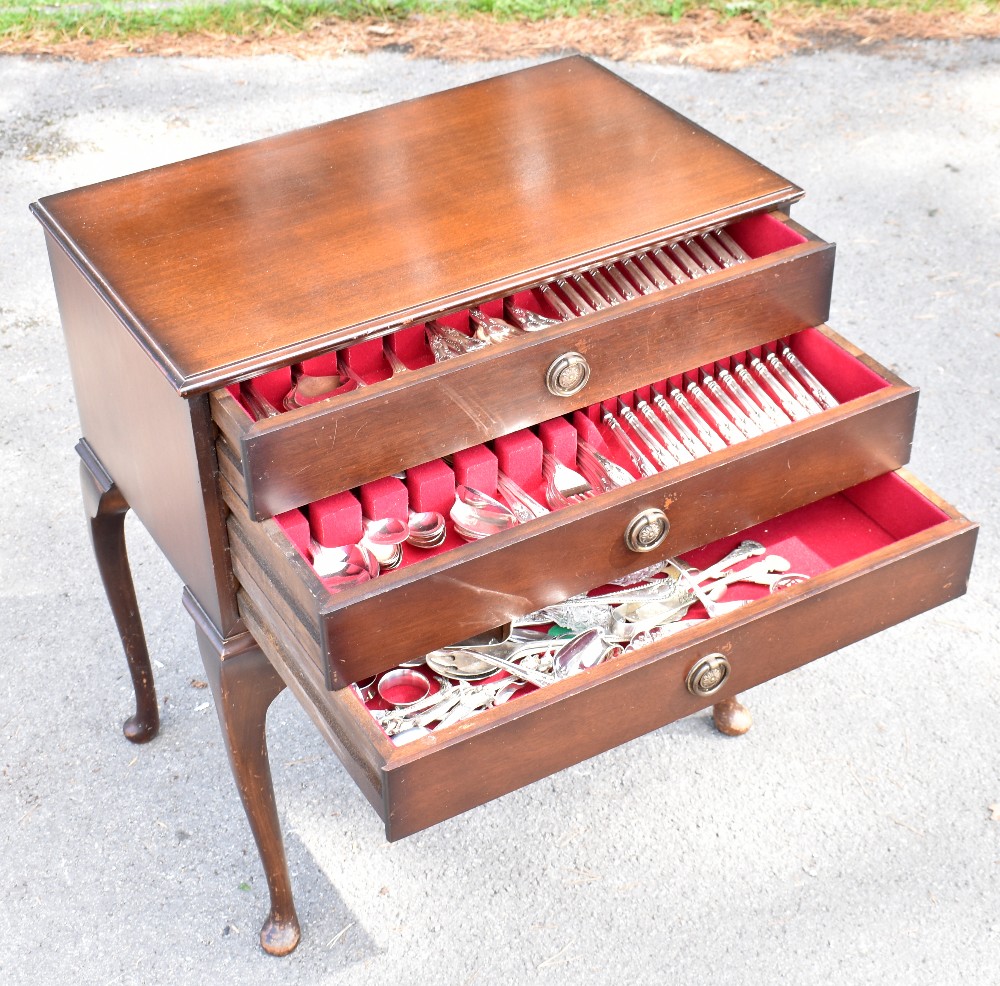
(476, 467)
(830, 532)
(410, 346)
(384, 498)
(559, 437)
(519, 456)
(843, 374)
(336, 520)
(763, 234)
(896, 506)
(431, 487)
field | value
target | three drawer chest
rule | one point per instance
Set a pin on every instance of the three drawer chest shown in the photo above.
(501, 426)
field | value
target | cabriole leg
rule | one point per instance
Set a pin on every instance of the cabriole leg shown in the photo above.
(732, 717)
(106, 508)
(245, 684)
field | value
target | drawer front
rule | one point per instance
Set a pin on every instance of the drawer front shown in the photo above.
(306, 454)
(504, 748)
(364, 629)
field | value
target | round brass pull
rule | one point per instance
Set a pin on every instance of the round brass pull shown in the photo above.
(567, 375)
(647, 530)
(707, 675)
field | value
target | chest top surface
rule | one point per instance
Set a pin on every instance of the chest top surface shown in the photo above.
(250, 257)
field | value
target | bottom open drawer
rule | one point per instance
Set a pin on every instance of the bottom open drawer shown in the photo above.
(875, 555)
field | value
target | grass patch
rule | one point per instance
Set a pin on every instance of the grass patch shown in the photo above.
(61, 20)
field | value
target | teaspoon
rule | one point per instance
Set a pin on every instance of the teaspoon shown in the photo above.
(477, 515)
(344, 565)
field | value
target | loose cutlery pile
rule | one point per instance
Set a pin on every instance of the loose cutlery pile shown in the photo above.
(462, 680)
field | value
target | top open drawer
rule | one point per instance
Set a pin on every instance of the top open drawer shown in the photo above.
(394, 421)
(249, 259)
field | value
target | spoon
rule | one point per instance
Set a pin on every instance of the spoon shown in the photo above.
(383, 538)
(384, 531)
(524, 506)
(344, 565)
(306, 389)
(477, 515)
(585, 650)
(527, 320)
(425, 529)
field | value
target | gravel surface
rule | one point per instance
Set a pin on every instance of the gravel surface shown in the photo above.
(847, 838)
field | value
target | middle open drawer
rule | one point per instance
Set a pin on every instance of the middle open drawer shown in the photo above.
(360, 630)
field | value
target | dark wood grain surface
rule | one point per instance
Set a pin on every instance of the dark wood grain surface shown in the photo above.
(253, 256)
(157, 446)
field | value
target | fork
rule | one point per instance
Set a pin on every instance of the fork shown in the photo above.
(634, 453)
(525, 507)
(609, 475)
(565, 485)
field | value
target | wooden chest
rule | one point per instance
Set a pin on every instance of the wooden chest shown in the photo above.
(652, 265)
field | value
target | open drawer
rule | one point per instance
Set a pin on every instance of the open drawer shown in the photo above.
(392, 422)
(875, 554)
(436, 599)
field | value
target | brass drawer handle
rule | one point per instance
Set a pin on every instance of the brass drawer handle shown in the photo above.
(567, 375)
(647, 530)
(707, 675)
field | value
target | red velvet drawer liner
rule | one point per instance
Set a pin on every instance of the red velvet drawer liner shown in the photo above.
(336, 520)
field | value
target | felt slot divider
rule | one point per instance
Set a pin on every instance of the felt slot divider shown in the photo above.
(430, 486)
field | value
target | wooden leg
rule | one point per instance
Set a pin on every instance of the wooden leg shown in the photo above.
(106, 508)
(245, 684)
(732, 717)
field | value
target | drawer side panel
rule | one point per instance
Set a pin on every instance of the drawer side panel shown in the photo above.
(339, 724)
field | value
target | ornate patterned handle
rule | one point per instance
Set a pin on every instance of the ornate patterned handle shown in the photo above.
(707, 675)
(647, 530)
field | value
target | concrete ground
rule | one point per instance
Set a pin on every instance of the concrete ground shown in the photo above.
(847, 838)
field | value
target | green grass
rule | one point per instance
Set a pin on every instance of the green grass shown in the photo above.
(63, 19)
